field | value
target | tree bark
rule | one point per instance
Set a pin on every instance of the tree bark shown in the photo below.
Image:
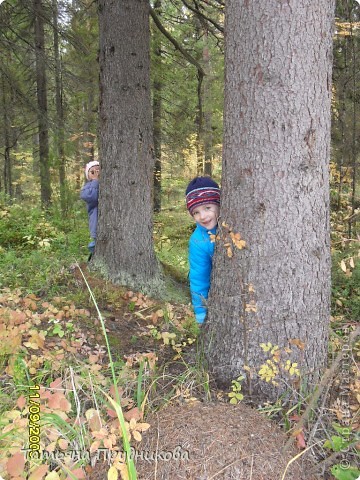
(45, 185)
(124, 247)
(207, 130)
(199, 122)
(7, 147)
(157, 111)
(275, 193)
(60, 138)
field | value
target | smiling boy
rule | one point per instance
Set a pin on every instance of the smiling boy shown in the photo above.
(203, 203)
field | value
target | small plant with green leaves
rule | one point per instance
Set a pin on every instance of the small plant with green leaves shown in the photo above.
(345, 472)
(345, 440)
(57, 329)
(235, 395)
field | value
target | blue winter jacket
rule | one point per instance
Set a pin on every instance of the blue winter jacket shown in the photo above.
(201, 251)
(90, 194)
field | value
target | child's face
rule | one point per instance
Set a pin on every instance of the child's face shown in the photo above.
(94, 173)
(206, 215)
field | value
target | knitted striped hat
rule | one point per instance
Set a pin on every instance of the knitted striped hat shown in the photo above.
(202, 190)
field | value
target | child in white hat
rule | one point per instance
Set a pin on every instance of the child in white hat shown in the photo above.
(90, 194)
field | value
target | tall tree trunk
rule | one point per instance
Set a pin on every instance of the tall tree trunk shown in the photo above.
(45, 184)
(7, 147)
(207, 130)
(199, 121)
(59, 110)
(124, 247)
(275, 193)
(157, 109)
(354, 129)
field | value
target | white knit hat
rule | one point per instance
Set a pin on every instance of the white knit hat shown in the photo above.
(89, 165)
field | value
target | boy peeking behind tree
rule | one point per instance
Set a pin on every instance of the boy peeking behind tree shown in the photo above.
(203, 203)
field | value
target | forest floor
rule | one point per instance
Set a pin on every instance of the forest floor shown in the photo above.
(194, 432)
(208, 437)
(181, 426)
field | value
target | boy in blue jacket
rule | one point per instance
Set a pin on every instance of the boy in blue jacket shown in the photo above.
(203, 203)
(90, 194)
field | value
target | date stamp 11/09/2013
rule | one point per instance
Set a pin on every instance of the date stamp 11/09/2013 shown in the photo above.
(34, 421)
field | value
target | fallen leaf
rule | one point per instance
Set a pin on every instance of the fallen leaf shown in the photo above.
(21, 402)
(52, 476)
(56, 383)
(63, 444)
(297, 342)
(137, 435)
(112, 474)
(300, 440)
(133, 414)
(39, 473)
(15, 464)
(78, 473)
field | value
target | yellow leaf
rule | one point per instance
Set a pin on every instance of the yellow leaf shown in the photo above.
(142, 427)
(94, 446)
(266, 346)
(112, 474)
(343, 266)
(63, 444)
(122, 467)
(352, 264)
(229, 252)
(52, 476)
(137, 435)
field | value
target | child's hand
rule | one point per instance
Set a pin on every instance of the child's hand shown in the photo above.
(94, 173)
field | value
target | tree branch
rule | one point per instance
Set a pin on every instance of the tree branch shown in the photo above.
(186, 55)
(197, 11)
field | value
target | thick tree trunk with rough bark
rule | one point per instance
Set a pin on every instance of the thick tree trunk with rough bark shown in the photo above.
(124, 248)
(275, 194)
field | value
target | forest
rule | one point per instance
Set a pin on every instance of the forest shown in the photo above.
(104, 370)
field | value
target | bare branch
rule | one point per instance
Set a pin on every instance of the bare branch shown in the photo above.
(198, 12)
(186, 54)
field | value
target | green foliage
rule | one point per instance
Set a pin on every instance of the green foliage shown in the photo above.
(26, 228)
(235, 395)
(337, 444)
(345, 472)
(172, 233)
(36, 248)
